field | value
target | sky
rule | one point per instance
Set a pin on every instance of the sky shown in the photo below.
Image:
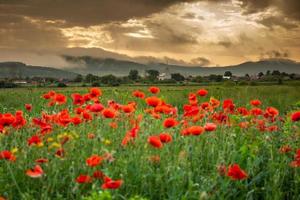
(182, 32)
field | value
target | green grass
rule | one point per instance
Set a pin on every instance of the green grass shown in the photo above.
(188, 165)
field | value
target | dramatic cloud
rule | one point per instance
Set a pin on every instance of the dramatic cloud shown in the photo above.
(22, 32)
(179, 32)
(85, 12)
(200, 61)
(290, 8)
(275, 54)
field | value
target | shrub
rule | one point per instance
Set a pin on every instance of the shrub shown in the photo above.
(242, 83)
(61, 84)
(229, 83)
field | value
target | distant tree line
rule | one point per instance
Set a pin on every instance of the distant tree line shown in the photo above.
(151, 77)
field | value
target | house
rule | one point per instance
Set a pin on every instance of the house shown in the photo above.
(226, 77)
(163, 76)
(20, 82)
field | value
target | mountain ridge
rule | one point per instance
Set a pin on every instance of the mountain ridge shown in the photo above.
(103, 66)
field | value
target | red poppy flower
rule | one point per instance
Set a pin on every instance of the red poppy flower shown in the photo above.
(190, 110)
(83, 179)
(98, 174)
(153, 101)
(86, 97)
(94, 160)
(285, 149)
(255, 102)
(138, 94)
(97, 107)
(214, 102)
(271, 112)
(87, 116)
(60, 99)
(165, 137)
(155, 159)
(7, 119)
(256, 111)
(296, 162)
(128, 108)
(95, 93)
(196, 130)
(111, 184)
(170, 122)
(60, 153)
(41, 160)
(228, 105)
(7, 155)
(91, 136)
(243, 111)
(155, 141)
(244, 124)
(109, 113)
(295, 116)
(76, 120)
(236, 173)
(193, 99)
(222, 170)
(19, 120)
(77, 99)
(28, 107)
(36, 172)
(49, 95)
(35, 139)
(154, 90)
(272, 128)
(202, 92)
(210, 127)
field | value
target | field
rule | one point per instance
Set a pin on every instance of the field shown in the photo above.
(170, 144)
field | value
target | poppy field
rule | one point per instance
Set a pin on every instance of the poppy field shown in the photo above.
(143, 143)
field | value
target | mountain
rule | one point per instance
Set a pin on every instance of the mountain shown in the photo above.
(100, 67)
(17, 69)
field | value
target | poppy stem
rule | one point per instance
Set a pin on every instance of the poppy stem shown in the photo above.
(14, 179)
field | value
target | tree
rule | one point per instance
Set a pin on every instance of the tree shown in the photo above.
(260, 74)
(133, 75)
(78, 78)
(214, 77)
(177, 77)
(276, 73)
(152, 74)
(197, 79)
(110, 80)
(90, 78)
(228, 73)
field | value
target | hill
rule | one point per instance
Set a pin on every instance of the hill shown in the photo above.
(21, 70)
(98, 66)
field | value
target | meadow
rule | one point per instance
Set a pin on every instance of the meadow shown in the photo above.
(139, 143)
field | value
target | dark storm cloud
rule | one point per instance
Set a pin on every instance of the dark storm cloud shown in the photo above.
(274, 21)
(171, 34)
(289, 8)
(189, 15)
(275, 54)
(19, 32)
(225, 44)
(201, 61)
(90, 60)
(85, 12)
(252, 6)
